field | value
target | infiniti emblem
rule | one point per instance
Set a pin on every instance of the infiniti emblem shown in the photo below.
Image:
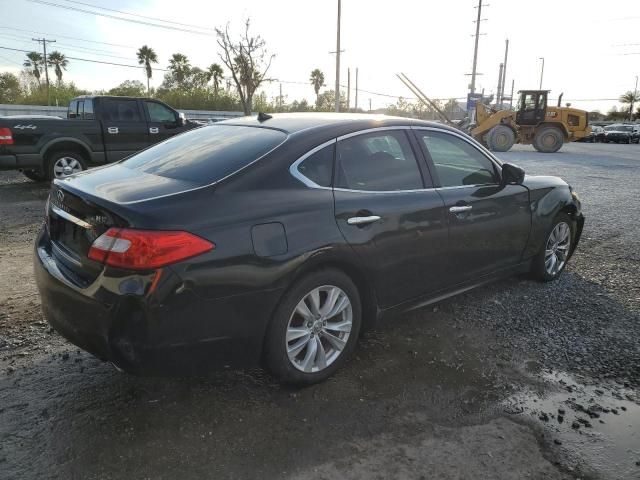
(60, 196)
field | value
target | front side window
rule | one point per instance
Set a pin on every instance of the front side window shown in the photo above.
(457, 162)
(73, 109)
(121, 110)
(318, 167)
(377, 161)
(160, 113)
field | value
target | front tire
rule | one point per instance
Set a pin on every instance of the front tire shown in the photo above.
(501, 138)
(314, 329)
(554, 253)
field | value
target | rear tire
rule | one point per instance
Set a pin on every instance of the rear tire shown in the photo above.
(65, 163)
(302, 324)
(558, 242)
(501, 138)
(548, 140)
(34, 175)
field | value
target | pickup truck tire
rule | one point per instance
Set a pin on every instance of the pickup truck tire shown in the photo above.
(548, 140)
(34, 175)
(64, 163)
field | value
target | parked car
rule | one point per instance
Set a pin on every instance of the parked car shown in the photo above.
(620, 133)
(596, 135)
(98, 130)
(280, 239)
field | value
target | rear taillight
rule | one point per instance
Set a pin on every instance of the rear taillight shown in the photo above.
(146, 249)
(6, 138)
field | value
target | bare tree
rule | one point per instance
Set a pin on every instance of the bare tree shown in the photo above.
(247, 60)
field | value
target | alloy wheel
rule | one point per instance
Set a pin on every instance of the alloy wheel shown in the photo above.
(557, 248)
(319, 328)
(65, 166)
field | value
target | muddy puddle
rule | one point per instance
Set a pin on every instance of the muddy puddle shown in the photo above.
(597, 426)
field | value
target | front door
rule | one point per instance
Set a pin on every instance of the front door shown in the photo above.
(396, 226)
(124, 127)
(489, 222)
(163, 121)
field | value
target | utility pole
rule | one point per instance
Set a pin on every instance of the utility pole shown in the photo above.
(338, 58)
(475, 48)
(357, 88)
(369, 105)
(504, 70)
(44, 42)
(513, 82)
(541, 71)
(348, 89)
(280, 99)
(635, 93)
(498, 95)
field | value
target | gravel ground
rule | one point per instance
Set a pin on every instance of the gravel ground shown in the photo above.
(514, 380)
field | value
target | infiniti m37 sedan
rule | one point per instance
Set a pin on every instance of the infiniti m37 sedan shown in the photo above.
(278, 240)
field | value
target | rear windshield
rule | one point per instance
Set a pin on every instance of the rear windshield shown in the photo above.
(207, 154)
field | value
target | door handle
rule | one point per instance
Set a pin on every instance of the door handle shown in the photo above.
(112, 130)
(153, 130)
(363, 220)
(460, 208)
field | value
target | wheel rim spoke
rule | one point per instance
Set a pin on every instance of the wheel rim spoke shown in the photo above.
(336, 342)
(304, 311)
(309, 358)
(321, 355)
(339, 326)
(297, 347)
(295, 333)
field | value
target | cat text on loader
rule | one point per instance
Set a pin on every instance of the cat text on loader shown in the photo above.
(547, 128)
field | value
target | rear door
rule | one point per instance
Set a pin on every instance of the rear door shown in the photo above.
(489, 223)
(389, 214)
(163, 121)
(124, 127)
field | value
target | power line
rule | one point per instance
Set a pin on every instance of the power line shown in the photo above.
(115, 17)
(139, 16)
(93, 61)
(64, 36)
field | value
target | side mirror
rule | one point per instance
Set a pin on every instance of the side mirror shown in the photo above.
(512, 174)
(182, 121)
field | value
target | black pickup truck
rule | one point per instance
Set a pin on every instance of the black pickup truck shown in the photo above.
(97, 130)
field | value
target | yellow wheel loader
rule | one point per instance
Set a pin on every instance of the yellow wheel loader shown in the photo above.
(547, 128)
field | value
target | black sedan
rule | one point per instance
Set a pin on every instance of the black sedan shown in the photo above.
(279, 240)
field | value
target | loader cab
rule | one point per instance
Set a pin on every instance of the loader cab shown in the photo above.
(532, 107)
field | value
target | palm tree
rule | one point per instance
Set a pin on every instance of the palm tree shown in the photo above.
(217, 74)
(147, 56)
(59, 63)
(35, 63)
(180, 67)
(630, 98)
(317, 80)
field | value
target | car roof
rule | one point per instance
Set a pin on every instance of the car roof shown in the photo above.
(296, 122)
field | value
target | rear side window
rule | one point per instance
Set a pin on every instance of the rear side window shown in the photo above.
(318, 167)
(379, 161)
(121, 110)
(88, 110)
(73, 110)
(207, 154)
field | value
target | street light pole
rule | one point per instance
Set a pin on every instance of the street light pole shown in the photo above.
(541, 71)
(635, 94)
(338, 60)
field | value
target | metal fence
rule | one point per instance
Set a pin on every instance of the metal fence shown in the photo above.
(6, 109)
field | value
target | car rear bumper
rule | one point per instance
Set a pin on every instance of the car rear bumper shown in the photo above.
(14, 162)
(157, 333)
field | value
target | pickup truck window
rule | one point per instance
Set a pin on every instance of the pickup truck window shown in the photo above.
(88, 110)
(160, 113)
(207, 154)
(73, 110)
(121, 110)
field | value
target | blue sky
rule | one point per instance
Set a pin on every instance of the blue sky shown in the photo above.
(590, 52)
